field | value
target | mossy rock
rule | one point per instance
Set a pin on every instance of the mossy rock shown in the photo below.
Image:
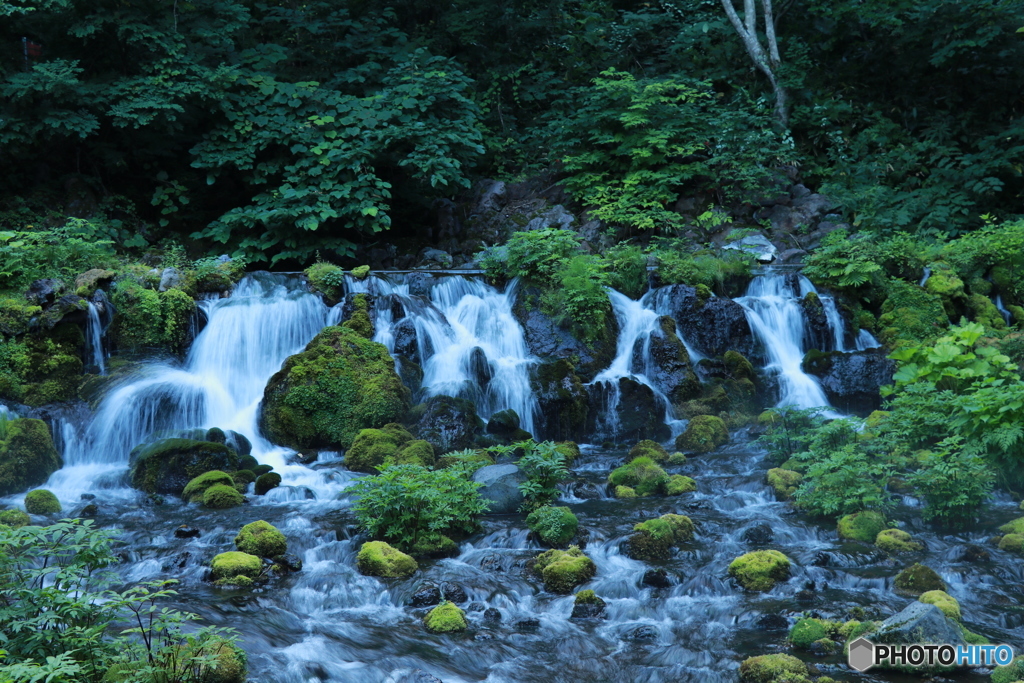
(861, 526)
(807, 631)
(642, 475)
(897, 541)
(266, 482)
(760, 570)
(654, 539)
(377, 448)
(678, 485)
(677, 458)
(233, 564)
(27, 455)
(944, 601)
(555, 526)
(221, 497)
(359, 320)
(433, 546)
(983, 311)
(377, 558)
(1014, 527)
(1012, 543)
(360, 272)
(783, 482)
(194, 490)
(563, 570)
(14, 519)
(328, 279)
(1011, 673)
(168, 465)
(624, 492)
(703, 434)
(570, 450)
(563, 399)
(917, 579)
(262, 539)
(774, 668)
(15, 316)
(340, 384)
(260, 470)
(42, 502)
(445, 618)
(648, 449)
(910, 314)
(242, 479)
(418, 452)
(738, 366)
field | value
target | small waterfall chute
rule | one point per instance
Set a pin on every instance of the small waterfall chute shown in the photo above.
(94, 338)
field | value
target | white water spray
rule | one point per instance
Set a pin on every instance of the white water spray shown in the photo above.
(94, 338)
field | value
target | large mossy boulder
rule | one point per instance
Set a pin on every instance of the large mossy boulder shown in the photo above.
(450, 424)
(760, 570)
(654, 539)
(221, 497)
(783, 482)
(236, 568)
(322, 397)
(262, 539)
(648, 449)
(194, 490)
(168, 465)
(919, 622)
(897, 541)
(42, 502)
(562, 401)
(917, 579)
(703, 433)
(445, 618)
(14, 519)
(389, 445)
(27, 455)
(772, 668)
(910, 315)
(861, 526)
(642, 475)
(554, 526)
(563, 570)
(377, 558)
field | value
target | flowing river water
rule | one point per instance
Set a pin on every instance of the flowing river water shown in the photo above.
(329, 623)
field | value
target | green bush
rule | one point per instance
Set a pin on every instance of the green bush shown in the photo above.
(60, 252)
(555, 526)
(538, 254)
(544, 465)
(626, 266)
(711, 270)
(578, 297)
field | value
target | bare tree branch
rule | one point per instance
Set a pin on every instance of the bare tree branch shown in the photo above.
(766, 62)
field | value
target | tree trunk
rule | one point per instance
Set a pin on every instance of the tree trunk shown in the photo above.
(767, 60)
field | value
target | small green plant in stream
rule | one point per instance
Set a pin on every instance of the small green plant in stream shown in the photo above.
(545, 467)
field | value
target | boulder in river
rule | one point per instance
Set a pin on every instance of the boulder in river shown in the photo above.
(168, 465)
(587, 606)
(917, 579)
(450, 424)
(769, 668)
(654, 539)
(262, 539)
(377, 558)
(669, 367)
(445, 618)
(562, 400)
(852, 380)
(563, 570)
(861, 526)
(703, 434)
(760, 570)
(500, 488)
(27, 455)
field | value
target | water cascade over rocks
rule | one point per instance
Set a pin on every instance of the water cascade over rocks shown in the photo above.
(680, 619)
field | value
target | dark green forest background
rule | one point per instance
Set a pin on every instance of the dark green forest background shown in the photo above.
(276, 130)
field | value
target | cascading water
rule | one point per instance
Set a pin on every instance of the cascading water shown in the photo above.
(1003, 311)
(866, 340)
(775, 316)
(94, 338)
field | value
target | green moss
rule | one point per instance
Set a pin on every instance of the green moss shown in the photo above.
(784, 482)
(322, 397)
(42, 368)
(14, 519)
(233, 564)
(195, 489)
(328, 279)
(260, 470)
(654, 539)
(945, 284)
(359, 322)
(642, 475)
(417, 452)
(474, 458)
(360, 272)
(262, 539)
(703, 434)
(624, 492)
(564, 394)
(563, 570)
(377, 558)
(242, 479)
(230, 663)
(434, 545)
(944, 601)
(445, 618)
(15, 315)
(375, 448)
(896, 541)
(1012, 543)
(145, 318)
(677, 458)
(738, 366)
(760, 570)
(41, 502)
(648, 449)
(27, 455)
(876, 418)
(910, 314)
(588, 597)
(985, 312)
(570, 450)
(266, 482)
(774, 668)
(861, 526)
(1014, 527)
(806, 631)
(168, 465)
(1014, 671)
(555, 526)
(678, 485)
(221, 497)
(917, 579)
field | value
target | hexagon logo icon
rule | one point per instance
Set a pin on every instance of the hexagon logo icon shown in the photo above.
(862, 654)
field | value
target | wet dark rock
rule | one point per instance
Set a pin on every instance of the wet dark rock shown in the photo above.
(426, 596)
(44, 292)
(484, 636)
(585, 490)
(88, 496)
(479, 368)
(420, 284)
(492, 614)
(450, 424)
(528, 625)
(852, 380)
(90, 510)
(639, 411)
(290, 562)
(642, 633)
(186, 531)
(656, 578)
(772, 622)
(181, 560)
(759, 534)
(416, 676)
(973, 554)
(670, 368)
(410, 373)
(434, 259)
(805, 596)
(453, 592)
(476, 607)
(713, 325)
(500, 488)
(166, 466)
(504, 423)
(822, 559)
(562, 400)
(817, 334)
(405, 340)
(918, 623)
(588, 610)
(493, 563)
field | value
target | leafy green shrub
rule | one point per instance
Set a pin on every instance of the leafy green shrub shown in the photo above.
(578, 297)
(712, 270)
(544, 465)
(842, 479)
(626, 266)
(954, 484)
(555, 526)
(537, 254)
(61, 252)
(406, 504)
(843, 262)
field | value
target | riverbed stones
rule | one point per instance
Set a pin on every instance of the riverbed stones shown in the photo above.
(377, 558)
(770, 668)
(27, 455)
(563, 570)
(917, 579)
(500, 488)
(445, 618)
(642, 475)
(861, 526)
(759, 534)
(587, 606)
(267, 482)
(261, 538)
(656, 578)
(186, 531)
(760, 570)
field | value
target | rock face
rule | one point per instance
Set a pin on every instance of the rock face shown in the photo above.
(639, 413)
(670, 368)
(450, 424)
(168, 465)
(918, 623)
(852, 380)
(563, 401)
(27, 456)
(713, 325)
(341, 383)
(500, 488)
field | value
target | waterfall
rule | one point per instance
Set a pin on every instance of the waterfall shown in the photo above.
(469, 342)
(1007, 316)
(925, 274)
(866, 340)
(94, 338)
(776, 317)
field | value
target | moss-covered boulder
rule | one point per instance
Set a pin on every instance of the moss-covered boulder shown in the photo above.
(760, 570)
(678, 485)
(1014, 527)
(377, 558)
(222, 497)
(587, 605)
(194, 489)
(262, 539)
(358, 319)
(643, 475)
(1011, 673)
(917, 579)
(862, 526)
(624, 492)
(168, 465)
(445, 618)
(774, 668)
(341, 383)
(390, 445)
(808, 630)
(897, 541)
(554, 526)
(563, 570)
(328, 279)
(654, 539)
(783, 482)
(1012, 543)
(648, 449)
(15, 519)
(267, 481)
(241, 480)
(704, 433)
(570, 450)
(910, 314)
(236, 568)
(27, 455)
(944, 601)
(42, 502)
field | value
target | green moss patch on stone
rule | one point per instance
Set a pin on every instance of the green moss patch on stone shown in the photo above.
(703, 434)
(654, 539)
(267, 481)
(233, 564)
(168, 465)
(861, 526)
(772, 668)
(760, 570)
(42, 502)
(15, 519)
(1012, 672)
(262, 539)
(555, 526)
(194, 490)
(678, 485)
(808, 630)
(648, 449)
(1014, 527)
(377, 558)
(897, 541)
(221, 497)
(445, 618)
(1012, 543)
(917, 579)
(783, 482)
(328, 279)
(359, 322)
(27, 455)
(944, 601)
(910, 314)
(642, 475)
(563, 570)
(624, 492)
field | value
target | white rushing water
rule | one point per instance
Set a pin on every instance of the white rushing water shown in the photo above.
(94, 338)
(1003, 311)
(777, 319)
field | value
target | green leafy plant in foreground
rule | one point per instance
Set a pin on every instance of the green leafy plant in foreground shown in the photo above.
(545, 467)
